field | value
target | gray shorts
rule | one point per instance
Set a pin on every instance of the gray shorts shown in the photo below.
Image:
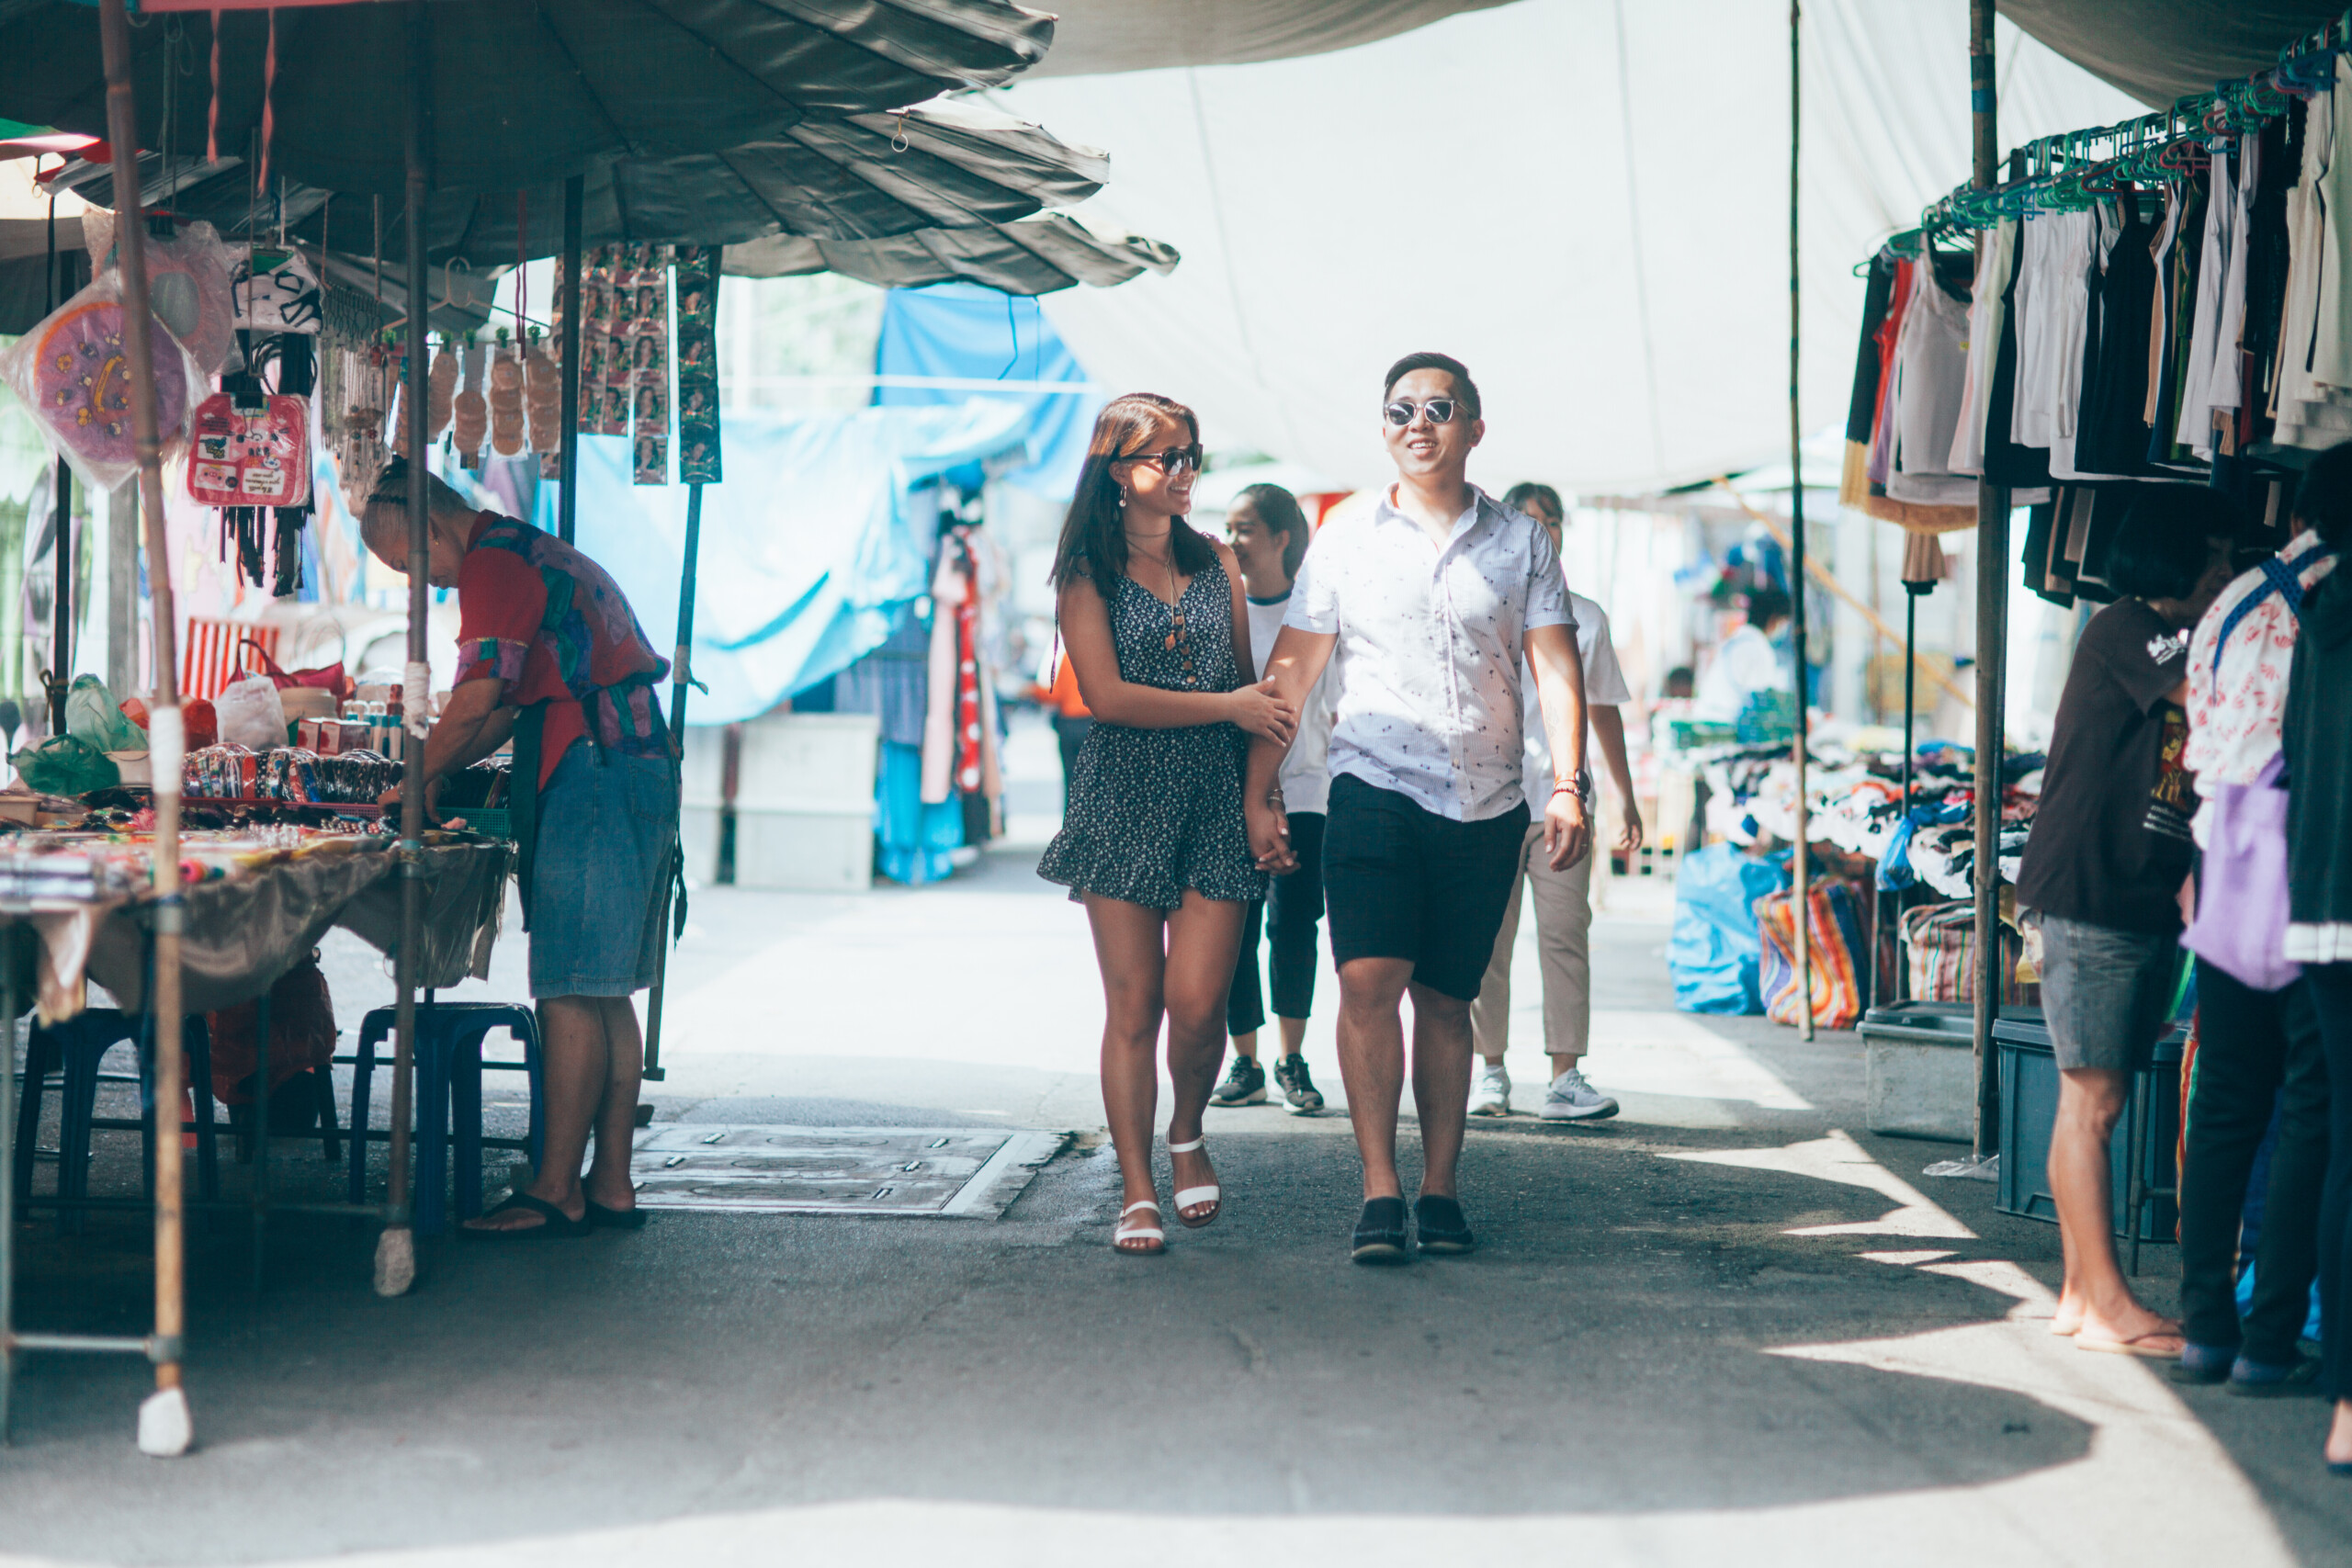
(606, 825)
(2105, 993)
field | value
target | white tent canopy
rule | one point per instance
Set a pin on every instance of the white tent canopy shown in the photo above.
(1140, 35)
(1585, 200)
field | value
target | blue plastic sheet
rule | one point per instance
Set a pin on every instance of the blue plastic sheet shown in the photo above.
(1715, 953)
(966, 333)
(810, 550)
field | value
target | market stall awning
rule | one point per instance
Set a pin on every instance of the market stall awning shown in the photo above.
(1043, 255)
(1091, 36)
(858, 177)
(522, 93)
(2161, 50)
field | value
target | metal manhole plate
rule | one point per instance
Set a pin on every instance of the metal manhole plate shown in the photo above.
(950, 1171)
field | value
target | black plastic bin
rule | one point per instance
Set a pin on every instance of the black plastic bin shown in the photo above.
(2151, 1126)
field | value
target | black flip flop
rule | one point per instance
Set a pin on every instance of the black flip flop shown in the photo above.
(615, 1219)
(556, 1222)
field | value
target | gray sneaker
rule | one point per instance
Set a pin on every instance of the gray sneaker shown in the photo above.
(1570, 1099)
(1298, 1084)
(1491, 1096)
(1245, 1085)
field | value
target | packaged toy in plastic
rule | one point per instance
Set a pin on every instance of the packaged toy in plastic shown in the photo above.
(74, 372)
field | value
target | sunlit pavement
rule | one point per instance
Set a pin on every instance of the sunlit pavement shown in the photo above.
(1724, 1327)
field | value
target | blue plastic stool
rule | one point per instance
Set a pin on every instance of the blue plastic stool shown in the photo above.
(448, 1085)
(73, 1051)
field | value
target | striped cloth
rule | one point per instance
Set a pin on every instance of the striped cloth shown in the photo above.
(212, 653)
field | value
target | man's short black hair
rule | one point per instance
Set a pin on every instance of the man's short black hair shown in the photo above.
(2323, 496)
(1766, 605)
(1518, 495)
(1463, 387)
(2165, 541)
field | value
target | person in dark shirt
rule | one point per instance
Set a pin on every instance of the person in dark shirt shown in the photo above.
(2102, 875)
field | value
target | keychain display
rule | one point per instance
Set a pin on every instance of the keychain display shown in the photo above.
(697, 353)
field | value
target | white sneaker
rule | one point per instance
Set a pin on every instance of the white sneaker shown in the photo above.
(1492, 1096)
(1570, 1099)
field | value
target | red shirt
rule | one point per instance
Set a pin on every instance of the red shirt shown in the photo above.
(553, 625)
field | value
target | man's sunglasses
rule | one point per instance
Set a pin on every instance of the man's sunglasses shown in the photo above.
(1402, 412)
(1175, 460)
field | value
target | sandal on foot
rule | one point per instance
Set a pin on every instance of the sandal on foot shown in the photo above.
(630, 1219)
(2143, 1346)
(1193, 1197)
(1124, 1232)
(554, 1222)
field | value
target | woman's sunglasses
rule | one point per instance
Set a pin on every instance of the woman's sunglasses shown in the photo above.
(1401, 413)
(1175, 460)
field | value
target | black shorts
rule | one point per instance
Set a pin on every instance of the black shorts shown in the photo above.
(1402, 882)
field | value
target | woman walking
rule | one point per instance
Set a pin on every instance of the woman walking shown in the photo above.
(1152, 840)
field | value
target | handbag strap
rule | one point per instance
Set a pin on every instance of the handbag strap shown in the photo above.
(2284, 577)
(270, 667)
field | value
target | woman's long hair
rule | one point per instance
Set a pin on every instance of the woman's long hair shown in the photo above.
(1094, 535)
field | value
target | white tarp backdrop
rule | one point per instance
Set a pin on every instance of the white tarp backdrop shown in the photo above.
(1585, 200)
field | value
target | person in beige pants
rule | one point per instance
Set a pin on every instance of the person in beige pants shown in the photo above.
(1563, 898)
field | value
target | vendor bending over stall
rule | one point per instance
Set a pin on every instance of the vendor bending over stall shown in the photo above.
(550, 653)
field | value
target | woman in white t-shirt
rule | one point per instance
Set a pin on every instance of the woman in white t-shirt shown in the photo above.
(1269, 534)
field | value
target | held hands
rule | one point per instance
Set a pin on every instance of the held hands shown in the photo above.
(1567, 835)
(1258, 710)
(1270, 836)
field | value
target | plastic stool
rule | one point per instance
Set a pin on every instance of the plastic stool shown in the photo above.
(72, 1050)
(448, 1085)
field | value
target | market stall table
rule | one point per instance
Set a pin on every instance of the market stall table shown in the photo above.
(255, 902)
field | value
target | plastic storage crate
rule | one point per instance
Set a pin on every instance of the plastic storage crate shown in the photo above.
(2144, 1138)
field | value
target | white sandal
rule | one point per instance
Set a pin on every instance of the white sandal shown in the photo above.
(1124, 1232)
(1189, 1197)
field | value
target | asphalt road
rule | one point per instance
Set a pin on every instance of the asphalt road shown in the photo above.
(1726, 1327)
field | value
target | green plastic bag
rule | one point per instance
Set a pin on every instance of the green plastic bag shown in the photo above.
(66, 765)
(92, 714)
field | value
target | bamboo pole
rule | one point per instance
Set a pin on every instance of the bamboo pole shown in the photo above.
(165, 1424)
(575, 196)
(680, 675)
(1799, 868)
(396, 1248)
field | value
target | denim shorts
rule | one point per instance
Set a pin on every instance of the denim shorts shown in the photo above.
(607, 824)
(2105, 992)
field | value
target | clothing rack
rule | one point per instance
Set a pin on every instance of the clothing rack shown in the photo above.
(2067, 171)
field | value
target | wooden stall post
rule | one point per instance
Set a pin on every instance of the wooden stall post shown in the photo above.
(396, 1248)
(165, 1425)
(575, 193)
(680, 675)
(1992, 647)
(1798, 864)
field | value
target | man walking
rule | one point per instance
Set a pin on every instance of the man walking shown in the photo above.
(1563, 898)
(1432, 598)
